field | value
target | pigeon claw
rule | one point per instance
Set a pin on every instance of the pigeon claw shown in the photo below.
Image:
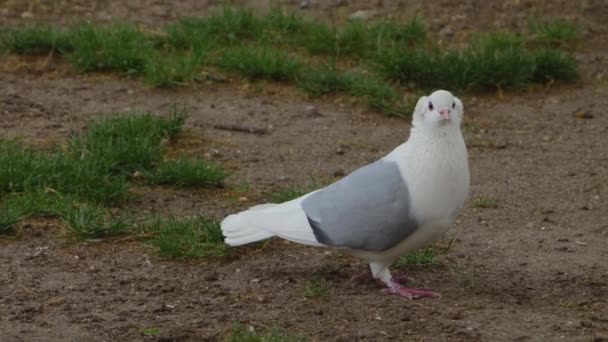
(393, 287)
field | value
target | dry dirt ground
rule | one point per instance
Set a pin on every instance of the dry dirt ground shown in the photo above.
(533, 269)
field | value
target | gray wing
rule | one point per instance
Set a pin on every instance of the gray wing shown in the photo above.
(369, 209)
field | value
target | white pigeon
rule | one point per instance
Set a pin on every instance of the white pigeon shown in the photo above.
(398, 204)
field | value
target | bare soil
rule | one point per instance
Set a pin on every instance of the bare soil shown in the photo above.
(533, 269)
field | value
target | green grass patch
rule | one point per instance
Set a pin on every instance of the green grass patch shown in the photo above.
(316, 288)
(93, 169)
(186, 172)
(20, 167)
(150, 331)
(424, 257)
(496, 60)
(485, 202)
(195, 237)
(261, 62)
(35, 39)
(288, 193)
(379, 58)
(323, 80)
(118, 47)
(173, 69)
(90, 221)
(556, 32)
(377, 93)
(11, 212)
(241, 333)
(127, 142)
(552, 65)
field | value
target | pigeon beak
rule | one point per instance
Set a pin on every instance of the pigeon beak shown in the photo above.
(445, 113)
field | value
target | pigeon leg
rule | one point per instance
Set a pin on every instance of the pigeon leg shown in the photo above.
(383, 276)
(367, 277)
(393, 287)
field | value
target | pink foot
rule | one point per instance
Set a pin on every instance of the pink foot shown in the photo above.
(367, 277)
(393, 287)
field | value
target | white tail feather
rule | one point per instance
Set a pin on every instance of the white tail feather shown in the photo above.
(286, 220)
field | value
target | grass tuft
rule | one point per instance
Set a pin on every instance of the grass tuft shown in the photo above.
(556, 32)
(316, 288)
(35, 39)
(234, 24)
(323, 80)
(255, 62)
(195, 237)
(421, 257)
(89, 221)
(127, 142)
(187, 172)
(118, 47)
(554, 65)
(287, 194)
(11, 212)
(20, 168)
(424, 257)
(485, 202)
(395, 55)
(241, 333)
(377, 93)
(173, 69)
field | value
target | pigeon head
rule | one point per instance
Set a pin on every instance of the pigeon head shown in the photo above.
(439, 110)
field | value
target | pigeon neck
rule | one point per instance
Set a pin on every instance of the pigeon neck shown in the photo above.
(436, 134)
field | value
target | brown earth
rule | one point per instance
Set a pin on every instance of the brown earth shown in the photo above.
(533, 269)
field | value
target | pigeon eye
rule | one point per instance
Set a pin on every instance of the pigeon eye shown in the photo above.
(431, 106)
(453, 105)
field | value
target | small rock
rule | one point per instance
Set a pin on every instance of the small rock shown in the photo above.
(213, 276)
(600, 337)
(27, 15)
(340, 151)
(164, 308)
(581, 114)
(447, 32)
(304, 4)
(312, 111)
(243, 199)
(363, 14)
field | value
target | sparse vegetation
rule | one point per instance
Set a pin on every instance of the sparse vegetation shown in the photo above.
(316, 288)
(424, 257)
(89, 221)
(256, 62)
(186, 172)
(184, 239)
(96, 168)
(292, 192)
(485, 202)
(383, 56)
(556, 32)
(241, 333)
